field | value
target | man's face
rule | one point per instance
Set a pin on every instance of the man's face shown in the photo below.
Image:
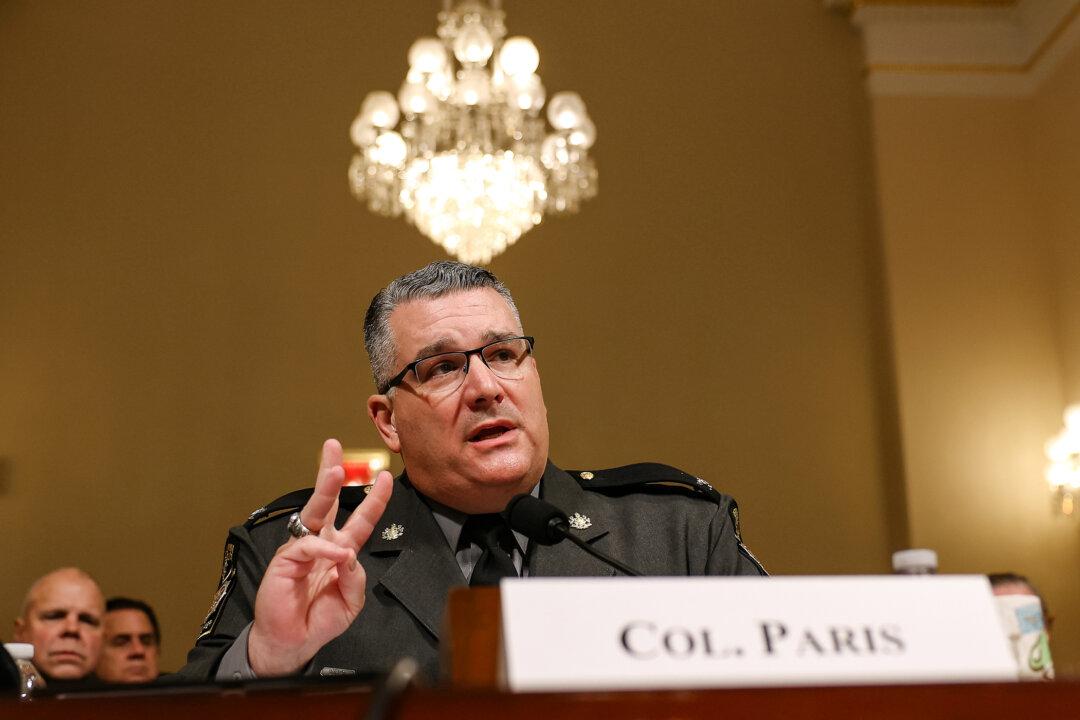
(63, 621)
(1012, 588)
(130, 652)
(475, 447)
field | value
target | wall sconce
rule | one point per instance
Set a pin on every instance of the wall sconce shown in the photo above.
(1063, 470)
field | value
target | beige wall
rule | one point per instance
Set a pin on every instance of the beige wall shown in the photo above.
(979, 227)
(1057, 174)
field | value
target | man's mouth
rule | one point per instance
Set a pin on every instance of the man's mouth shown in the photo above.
(489, 431)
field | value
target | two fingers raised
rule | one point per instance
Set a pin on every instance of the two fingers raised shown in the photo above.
(321, 508)
(316, 514)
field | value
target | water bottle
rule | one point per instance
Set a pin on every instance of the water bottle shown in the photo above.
(29, 678)
(915, 561)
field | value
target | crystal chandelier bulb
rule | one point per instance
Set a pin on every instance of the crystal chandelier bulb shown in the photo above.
(415, 99)
(554, 152)
(440, 84)
(526, 92)
(566, 110)
(380, 109)
(472, 87)
(390, 149)
(427, 55)
(519, 56)
(473, 45)
(361, 132)
(584, 135)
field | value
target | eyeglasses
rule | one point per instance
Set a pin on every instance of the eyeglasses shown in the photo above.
(445, 372)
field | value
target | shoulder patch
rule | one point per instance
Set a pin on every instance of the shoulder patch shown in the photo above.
(645, 475)
(225, 586)
(733, 513)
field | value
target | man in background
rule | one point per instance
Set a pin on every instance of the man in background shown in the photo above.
(1026, 621)
(132, 642)
(61, 617)
(1010, 583)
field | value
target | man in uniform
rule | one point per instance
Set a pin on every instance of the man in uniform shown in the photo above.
(132, 642)
(61, 617)
(347, 580)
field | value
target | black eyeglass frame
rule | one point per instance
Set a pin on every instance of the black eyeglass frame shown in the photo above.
(411, 367)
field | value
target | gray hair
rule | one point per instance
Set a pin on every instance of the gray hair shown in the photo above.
(433, 281)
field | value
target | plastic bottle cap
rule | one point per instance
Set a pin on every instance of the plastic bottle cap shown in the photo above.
(20, 651)
(914, 560)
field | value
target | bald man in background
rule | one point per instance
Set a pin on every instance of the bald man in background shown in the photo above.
(62, 618)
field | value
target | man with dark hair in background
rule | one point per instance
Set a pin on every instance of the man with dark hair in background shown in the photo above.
(1026, 623)
(343, 580)
(132, 642)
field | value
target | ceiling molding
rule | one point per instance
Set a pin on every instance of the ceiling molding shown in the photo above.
(934, 3)
(850, 5)
(963, 47)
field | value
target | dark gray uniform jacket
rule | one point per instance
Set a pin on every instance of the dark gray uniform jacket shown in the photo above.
(654, 518)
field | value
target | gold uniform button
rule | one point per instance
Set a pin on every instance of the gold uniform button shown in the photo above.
(586, 475)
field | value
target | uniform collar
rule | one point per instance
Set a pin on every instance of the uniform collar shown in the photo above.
(451, 521)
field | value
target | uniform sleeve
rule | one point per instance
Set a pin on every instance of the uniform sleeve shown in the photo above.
(728, 555)
(232, 608)
(234, 664)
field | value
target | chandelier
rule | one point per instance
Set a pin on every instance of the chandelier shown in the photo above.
(472, 163)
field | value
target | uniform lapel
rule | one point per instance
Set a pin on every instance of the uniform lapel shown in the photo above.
(425, 568)
(565, 559)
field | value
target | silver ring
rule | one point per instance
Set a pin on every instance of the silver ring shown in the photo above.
(296, 528)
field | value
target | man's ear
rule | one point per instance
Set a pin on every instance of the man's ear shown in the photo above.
(381, 412)
(20, 630)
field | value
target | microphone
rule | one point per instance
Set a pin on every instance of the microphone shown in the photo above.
(546, 524)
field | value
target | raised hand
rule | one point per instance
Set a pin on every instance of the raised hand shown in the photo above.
(313, 587)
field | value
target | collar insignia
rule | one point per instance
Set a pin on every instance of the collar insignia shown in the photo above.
(580, 522)
(393, 532)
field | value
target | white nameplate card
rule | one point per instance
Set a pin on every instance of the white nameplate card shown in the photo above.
(652, 633)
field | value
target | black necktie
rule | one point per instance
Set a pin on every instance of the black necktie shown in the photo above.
(490, 533)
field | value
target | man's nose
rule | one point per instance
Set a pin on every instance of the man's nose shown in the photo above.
(71, 626)
(481, 385)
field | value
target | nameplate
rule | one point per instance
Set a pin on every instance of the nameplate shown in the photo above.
(654, 633)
